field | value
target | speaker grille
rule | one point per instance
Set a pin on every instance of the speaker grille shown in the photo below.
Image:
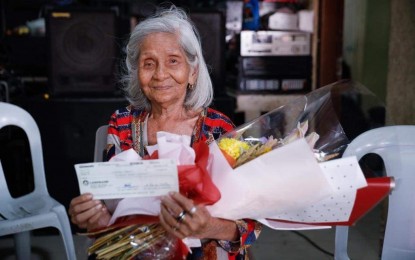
(82, 51)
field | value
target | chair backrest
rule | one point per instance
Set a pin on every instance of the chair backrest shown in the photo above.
(4, 91)
(100, 143)
(12, 115)
(396, 146)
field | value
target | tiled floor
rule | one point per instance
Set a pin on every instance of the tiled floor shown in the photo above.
(286, 245)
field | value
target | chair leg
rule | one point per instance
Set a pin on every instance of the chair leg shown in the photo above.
(66, 232)
(22, 245)
(68, 242)
(341, 241)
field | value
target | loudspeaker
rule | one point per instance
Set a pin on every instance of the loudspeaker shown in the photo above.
(82, 51)
(211, 27)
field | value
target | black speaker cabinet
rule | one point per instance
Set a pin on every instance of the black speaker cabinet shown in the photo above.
(82, 51)
(67, 127)
(211, 27)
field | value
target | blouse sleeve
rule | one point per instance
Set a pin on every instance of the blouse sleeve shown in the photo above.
(249, 231)
(119, 132)
(113, 141)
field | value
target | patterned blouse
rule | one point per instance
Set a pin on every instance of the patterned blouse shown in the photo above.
(125, 132)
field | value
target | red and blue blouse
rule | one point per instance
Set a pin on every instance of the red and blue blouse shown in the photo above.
(125, 132)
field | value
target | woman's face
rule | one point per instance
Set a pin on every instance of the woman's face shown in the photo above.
(163, 71)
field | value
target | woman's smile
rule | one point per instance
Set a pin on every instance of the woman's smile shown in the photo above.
(162, 87)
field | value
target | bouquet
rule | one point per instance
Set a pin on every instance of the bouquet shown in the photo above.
(283, 169)
(271, 158)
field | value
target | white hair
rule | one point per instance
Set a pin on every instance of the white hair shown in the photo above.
(171, 20)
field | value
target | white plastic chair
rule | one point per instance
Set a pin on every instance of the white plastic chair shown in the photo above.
(396, 146)
(100, 143)
(4, 94)
(36, 209)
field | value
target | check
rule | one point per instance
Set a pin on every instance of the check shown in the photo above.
(117, 180)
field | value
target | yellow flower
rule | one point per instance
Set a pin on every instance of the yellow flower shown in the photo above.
(233, 147)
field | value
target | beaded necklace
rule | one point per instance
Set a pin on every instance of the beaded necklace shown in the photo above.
(139, 126)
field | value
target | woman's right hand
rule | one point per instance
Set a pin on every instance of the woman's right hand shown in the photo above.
(85, 212)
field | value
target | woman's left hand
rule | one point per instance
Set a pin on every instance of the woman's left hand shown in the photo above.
(182, 218)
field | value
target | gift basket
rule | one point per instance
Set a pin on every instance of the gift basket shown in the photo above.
(284, 169)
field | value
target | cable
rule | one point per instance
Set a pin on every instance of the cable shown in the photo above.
(313, 243)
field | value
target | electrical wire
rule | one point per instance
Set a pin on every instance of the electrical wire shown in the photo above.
(313, 243)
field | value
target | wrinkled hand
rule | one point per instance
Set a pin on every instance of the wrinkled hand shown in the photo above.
(85, 212)
(180, 217)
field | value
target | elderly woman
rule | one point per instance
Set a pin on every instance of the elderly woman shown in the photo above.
(169, 89)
